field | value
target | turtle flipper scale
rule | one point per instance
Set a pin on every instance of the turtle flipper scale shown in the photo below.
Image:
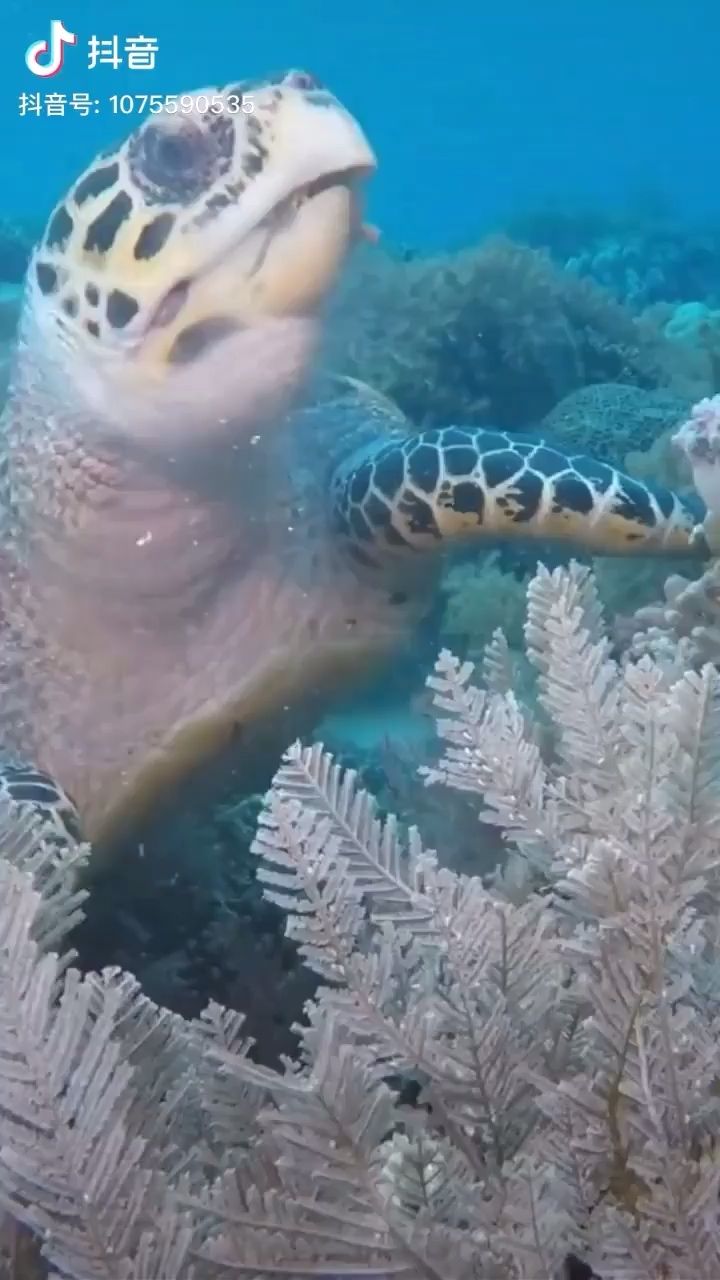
(463, 483)
(27, 785)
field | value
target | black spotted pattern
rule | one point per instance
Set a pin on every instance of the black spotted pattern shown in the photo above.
(378, 512)
(665, 499)
(454, 435)
(120, 308)
(360, 483)
(253, 163)
(32, 791)
(599, 474)
(527, 491)
(468, 499)
(27, 785)
(46, 276)
(153, 236)
(633, 502)
(96, 181)
(389, 471)
(101, 233)
(460, 460)
(220, 200)
(489, 441)
(396, 496)
(501, 466)
(424, 467)
(548, 462)
(573, 494)
(419, 514)
(257, 154)
(59, 230)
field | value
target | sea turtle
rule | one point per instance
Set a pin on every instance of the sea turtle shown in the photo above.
(190, 539)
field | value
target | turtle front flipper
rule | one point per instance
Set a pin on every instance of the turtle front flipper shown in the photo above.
(463, 483)
(28, 786)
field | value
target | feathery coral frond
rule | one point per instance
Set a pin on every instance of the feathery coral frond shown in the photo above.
(494, 1079)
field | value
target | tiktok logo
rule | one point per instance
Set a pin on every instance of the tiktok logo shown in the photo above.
(52, 51)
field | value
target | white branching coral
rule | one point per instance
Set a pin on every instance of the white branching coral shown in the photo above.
(699, 440)
(495, 1074)
(562, 1040)
(683, 629)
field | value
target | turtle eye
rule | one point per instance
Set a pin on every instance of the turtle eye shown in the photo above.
(174, 155)
(175, 160)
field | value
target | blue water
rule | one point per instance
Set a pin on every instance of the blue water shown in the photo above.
(475, 109)
(478, 112)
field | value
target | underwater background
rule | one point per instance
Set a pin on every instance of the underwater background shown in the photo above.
(475, 109)
(548, 199)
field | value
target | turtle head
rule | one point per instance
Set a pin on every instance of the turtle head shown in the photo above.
(180, 279)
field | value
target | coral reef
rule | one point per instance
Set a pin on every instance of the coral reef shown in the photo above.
(693, 330)
(498, 1076)
(483, 597)
(623, 424)
(494, 334)
(682, 626)
(648, 267)
(183, 912)
(609, 419)
(509, 1066)
(661, 463)
(698, 437)
(642, 256)
(479, 597)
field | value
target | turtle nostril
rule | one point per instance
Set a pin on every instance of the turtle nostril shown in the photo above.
(301, 80)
